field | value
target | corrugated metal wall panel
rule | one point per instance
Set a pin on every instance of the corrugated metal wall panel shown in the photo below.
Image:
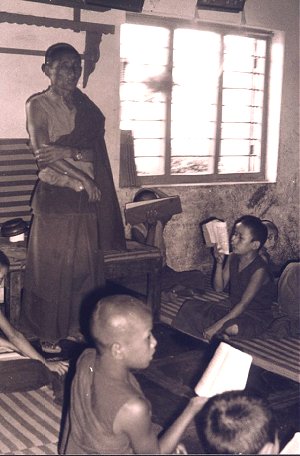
(18, 175)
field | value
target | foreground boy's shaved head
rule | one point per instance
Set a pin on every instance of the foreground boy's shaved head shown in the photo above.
(114, 318)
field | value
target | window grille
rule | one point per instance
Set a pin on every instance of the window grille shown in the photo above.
(195, 100)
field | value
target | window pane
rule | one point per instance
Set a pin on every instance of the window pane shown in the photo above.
(149, 129)
(139, 92)
(191, 165)
(137, 73)
(144, 55)
(241, 114)
(245, 164)
(194, 98)
(235, 130)
(243, 80)
(199, 146)
(143, 111)
(240, 147)
(238, 97)
(149, 147)
(149, 166)
(140, 43)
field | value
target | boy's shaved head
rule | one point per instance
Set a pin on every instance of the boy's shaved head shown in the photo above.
(237, 422)
(114, 318)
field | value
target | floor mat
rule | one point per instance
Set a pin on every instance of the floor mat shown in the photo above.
(30, 422)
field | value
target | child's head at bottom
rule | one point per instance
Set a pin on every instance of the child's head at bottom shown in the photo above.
(121, 327)
(238, 422)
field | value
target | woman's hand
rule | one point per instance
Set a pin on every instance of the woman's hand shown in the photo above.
(92, 190)
(218, 255)
(51, 153)
(60, 367)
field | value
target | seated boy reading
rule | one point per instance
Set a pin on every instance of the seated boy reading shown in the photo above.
(238, 422)
(109, 413)
(248, 312)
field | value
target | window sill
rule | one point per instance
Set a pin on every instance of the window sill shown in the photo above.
(209, 184)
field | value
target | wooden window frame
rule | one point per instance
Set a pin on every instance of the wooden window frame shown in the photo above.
(169, 179)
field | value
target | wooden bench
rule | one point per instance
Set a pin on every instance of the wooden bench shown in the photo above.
(280, 356)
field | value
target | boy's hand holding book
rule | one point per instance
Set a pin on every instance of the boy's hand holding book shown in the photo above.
(218, 254)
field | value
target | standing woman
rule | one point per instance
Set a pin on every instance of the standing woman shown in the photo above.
(72, 224)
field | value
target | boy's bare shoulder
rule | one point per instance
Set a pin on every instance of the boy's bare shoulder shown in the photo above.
(137, 405)
(133, 412)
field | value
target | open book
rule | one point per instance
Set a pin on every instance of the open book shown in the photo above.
(215, 232)
(228, 370)
(163, 207)
(293, 446)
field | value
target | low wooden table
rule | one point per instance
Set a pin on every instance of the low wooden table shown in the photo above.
(135, 260)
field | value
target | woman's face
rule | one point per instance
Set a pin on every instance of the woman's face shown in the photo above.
(64, 72)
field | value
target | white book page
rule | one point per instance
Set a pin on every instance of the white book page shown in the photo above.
(293, 446)
(222, 236)
(228, 370)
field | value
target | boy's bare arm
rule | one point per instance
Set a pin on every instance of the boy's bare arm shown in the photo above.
(221, 276)
(254, 285)
(17, 341)
(174, 433)
(134, 419)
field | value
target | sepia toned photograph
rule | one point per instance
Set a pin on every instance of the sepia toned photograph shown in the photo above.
(149, 227)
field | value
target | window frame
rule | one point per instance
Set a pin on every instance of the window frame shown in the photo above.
(167, 178)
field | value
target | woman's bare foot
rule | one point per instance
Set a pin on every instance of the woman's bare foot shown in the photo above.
(232, 330)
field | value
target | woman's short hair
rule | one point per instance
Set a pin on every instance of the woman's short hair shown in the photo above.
(54, 52)
(236, 422)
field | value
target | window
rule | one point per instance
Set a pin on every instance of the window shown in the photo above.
(195, 100)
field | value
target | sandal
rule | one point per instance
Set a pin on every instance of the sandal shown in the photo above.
(76, 338)
(50, 347)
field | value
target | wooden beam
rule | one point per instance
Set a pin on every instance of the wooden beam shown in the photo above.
(24, 19)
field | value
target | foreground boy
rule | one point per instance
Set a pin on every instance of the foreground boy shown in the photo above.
(109, 413)
(238, 422)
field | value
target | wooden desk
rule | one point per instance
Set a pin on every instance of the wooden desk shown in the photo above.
(137, 259)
